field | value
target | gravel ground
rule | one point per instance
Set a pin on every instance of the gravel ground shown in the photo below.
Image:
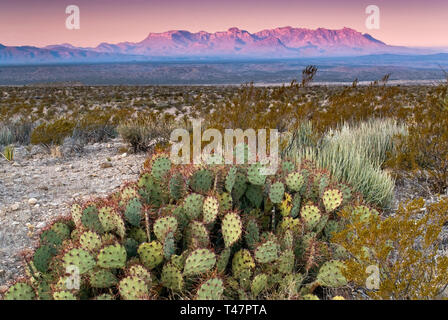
(36, 187)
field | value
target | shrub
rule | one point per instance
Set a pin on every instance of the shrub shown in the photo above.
(15, 132)
(404, 249)
(353, 154)
(202, 232)
(144, 133)
(423, 153)
(54, 133)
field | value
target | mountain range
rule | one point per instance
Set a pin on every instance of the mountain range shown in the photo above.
(284, 42)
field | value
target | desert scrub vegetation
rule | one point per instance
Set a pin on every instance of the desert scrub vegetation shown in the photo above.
(406, 250)
(354, 154)
(196, 232)
(423, 153)
(146, 132)
(54, 133)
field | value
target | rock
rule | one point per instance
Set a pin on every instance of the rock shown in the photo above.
(105, 165)
(124, 155)
(15, 206)
(32, 201)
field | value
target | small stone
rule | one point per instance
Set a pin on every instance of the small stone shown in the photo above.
(105, 165)
(15, 206)
(124, 155)
(32, 201)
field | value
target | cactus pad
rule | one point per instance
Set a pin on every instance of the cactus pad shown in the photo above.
(199, 261)
(177, 186)
(196, 235)
(20, 291)
(80, 259)
(332, 199)
(295, 181)
(102, 279)
(230, 179)
(112, 256)
(310, 215)
(210, 209)
(242, 260)
(133, 288)
(330, 274)
(160, 167)
(223, 260)
(163, 226)
(201, 181)
(259, 283)
(267, 252)
(90, 241)
(231, 228)
(276, 192)
(140, 272)
(212, 289)
(63, 295)
(255, 174)
(133, 212)
(151, 254)
(43, 256)
(172, 277)
(193, 206)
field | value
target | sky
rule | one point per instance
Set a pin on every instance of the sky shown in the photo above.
(42, 22)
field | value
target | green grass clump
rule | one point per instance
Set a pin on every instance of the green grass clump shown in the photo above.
(353, 154)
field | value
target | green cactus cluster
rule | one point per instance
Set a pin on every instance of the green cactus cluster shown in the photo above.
(204, 232)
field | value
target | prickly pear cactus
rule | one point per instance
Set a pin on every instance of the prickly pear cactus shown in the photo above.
(200, 231)
(259, 283)
(113, 256)
(295, 181)
(330, 274)
(267, 252)
(133, 288)
(163, 226)
(20, 291)
(80, 259)
(90, 241)
(210, 209)
(199, 261)
(310, 215)
(231, 228)
(277, 192)
(193, 205)
(332, 199)
(151, 254)
(172, 277)
(212, 289)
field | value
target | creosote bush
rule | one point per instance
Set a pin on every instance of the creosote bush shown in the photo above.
(405, 251)
(54, 133)
(145, 132)
(196, 232)
(423, 153)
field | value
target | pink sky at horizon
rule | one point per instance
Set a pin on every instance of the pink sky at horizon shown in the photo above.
(40, 23)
